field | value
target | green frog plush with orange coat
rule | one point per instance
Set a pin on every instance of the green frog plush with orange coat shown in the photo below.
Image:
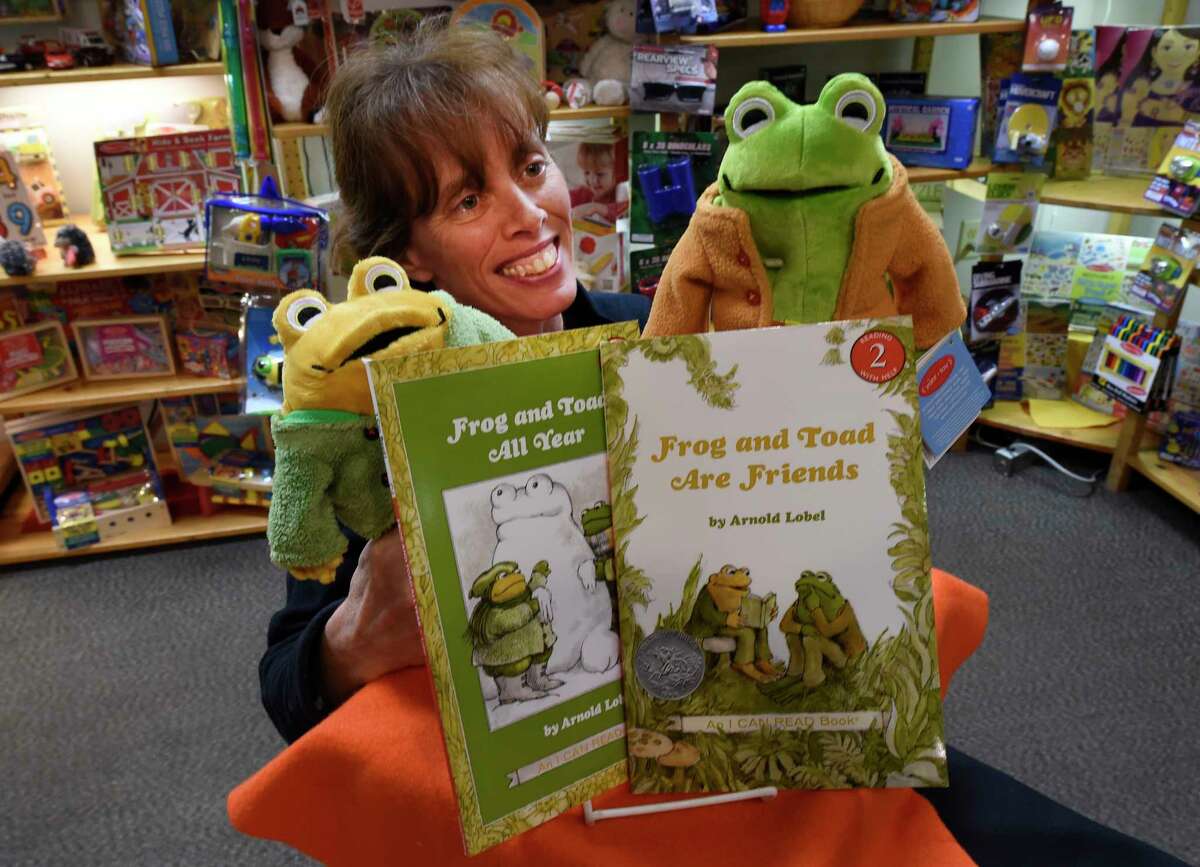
(810, 220)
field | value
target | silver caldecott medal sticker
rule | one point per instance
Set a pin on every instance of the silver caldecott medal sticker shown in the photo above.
(669, 664)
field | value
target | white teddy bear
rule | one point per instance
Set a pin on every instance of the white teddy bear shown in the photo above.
(608, 61)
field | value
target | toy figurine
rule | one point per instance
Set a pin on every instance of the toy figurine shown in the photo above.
(774, 15)
(16, 259)
(607, 63)
(810, 220)
(328, 461)
(74, 246)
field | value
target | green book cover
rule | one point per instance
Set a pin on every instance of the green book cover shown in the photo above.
(496, 458)
(776, 613)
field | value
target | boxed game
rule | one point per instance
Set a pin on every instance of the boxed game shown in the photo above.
(932, 131)
(33, 358)
(124, 348)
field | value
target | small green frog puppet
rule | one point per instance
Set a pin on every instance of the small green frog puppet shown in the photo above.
(820, 625)
(510, 630)
(328, 461)
(810, 220)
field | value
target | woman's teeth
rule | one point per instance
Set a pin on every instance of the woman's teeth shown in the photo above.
(532, 266)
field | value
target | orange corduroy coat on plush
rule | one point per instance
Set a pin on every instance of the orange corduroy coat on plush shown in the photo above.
(716, 266)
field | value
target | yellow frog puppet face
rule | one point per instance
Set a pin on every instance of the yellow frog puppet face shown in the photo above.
(324, 344)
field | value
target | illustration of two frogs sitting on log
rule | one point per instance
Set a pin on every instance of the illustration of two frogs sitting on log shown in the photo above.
(820, 625)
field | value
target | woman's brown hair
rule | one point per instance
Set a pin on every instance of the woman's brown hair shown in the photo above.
(443, 89)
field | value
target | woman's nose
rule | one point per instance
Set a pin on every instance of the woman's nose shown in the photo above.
(522, 212)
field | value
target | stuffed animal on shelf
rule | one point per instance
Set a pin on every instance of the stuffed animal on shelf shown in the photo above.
(74, 246)
(295, 74)
(328, 462)
(15, 258)
(810, 220)
(608, 63)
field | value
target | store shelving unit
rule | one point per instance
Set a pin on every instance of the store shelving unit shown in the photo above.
(108, 392)
(1182, 484)
(115, 72)
(107, 264)
(859, 30)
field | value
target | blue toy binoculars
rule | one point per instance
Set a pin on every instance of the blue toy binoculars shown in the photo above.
(673, 197)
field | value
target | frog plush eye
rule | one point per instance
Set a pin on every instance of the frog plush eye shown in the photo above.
(303, 312)
(753, 115)
(385, 276)
(857, 109)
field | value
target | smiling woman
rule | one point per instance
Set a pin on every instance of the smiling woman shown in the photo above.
(441, 165)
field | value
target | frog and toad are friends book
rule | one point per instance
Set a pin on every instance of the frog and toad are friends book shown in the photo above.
(496, 458)
(776, 612)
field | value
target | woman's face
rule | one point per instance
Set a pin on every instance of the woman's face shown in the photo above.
(504, 245)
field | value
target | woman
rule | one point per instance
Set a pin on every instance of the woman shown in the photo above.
(441, 164)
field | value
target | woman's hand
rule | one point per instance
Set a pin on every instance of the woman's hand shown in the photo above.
(374, 631)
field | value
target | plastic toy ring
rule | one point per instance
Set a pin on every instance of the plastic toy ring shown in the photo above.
(1165, 268)
(1183, 168)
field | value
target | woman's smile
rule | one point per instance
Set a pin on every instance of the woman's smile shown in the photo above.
(537, 264)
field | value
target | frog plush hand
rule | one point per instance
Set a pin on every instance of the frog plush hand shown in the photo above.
(328, 461)
(810, 220)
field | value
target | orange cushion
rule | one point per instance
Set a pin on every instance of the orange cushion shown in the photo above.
(370, 785)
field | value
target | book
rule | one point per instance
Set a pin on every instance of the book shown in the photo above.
(781, 461)
(496, 458)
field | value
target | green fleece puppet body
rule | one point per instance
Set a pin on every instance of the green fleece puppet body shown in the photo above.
(329, 465)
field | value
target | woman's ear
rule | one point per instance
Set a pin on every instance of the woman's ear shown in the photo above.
(418, 273)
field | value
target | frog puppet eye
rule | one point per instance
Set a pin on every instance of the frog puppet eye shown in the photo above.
(502, 494)
(303, 312)
(753, 115)
(385, 276)
(856, 108)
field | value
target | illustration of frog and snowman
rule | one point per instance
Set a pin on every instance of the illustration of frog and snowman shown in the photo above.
(536, 586)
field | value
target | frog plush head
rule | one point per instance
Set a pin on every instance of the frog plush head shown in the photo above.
(780, 150)
(324, 343)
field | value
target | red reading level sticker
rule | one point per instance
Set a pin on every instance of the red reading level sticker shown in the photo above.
(877, 356)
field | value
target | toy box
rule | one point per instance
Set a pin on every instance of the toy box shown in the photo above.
(105, 451)
(18, 216)
(674, 78)
(266, 241)
(670, 172)
(154, 187)
(144, 30)
(227, 451)
(934, 10)
(262, 357)
(209, 350)
(1181, 443)
(1029, 114)
(932, 131)
(33, 358)
(30, 146)
(124, 348)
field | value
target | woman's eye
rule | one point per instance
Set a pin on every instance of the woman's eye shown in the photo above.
(536, 168)
(468, 203)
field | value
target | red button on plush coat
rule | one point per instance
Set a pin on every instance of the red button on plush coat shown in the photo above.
(753, 298)
(743, 259)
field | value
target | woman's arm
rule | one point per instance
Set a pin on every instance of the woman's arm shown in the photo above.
(289, 672)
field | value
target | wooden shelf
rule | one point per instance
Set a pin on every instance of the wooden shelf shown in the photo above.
(18, 547)
(1012, 416)
(747, 36)
(115, 72)
(289, 131)
(1181, 483)
(979, 167)
(52, 270)
(107, 392)
(1102, 193)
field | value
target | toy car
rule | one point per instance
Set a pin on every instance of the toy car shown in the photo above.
(34, 51)
(14, 61)
(88, 46)
(57, 55)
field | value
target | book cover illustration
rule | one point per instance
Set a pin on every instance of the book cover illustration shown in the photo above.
(773, 559)
(496, 457)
